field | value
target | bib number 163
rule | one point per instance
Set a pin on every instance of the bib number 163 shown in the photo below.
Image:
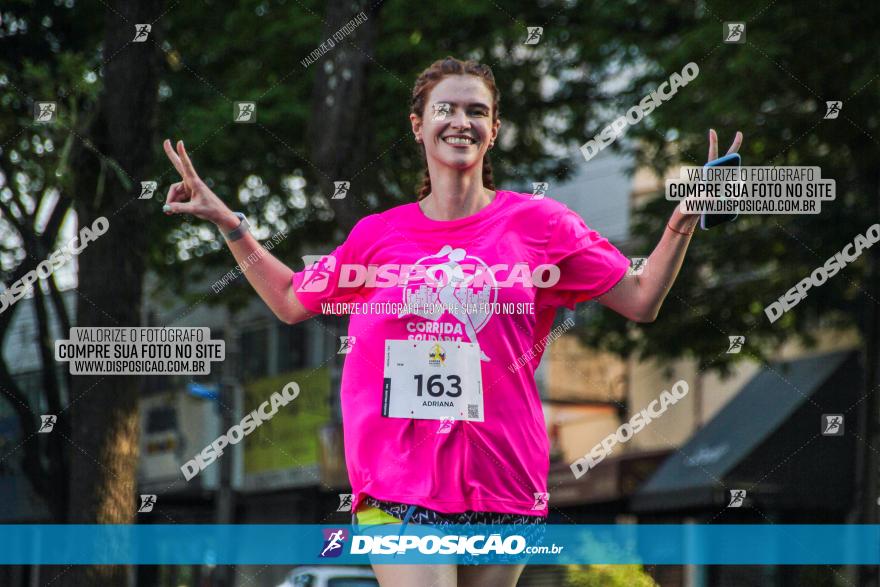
(435, 386)
(432, 380)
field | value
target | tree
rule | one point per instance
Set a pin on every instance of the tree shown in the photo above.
(773, 87)
(86, 158)
(120, 134)
(49, 64)
(279, 170)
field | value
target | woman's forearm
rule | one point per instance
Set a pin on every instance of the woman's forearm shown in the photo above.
(639, 297)
(664, 263)
(269, 277)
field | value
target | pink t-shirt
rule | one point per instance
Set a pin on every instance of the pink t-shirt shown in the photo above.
(497, 465)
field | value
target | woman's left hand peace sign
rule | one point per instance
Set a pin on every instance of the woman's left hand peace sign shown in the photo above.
(713, 144)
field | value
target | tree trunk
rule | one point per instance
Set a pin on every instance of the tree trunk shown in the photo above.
(337, 131)
(57, 448)
(44, 460)
(104, 410)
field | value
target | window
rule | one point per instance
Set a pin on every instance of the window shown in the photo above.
(161, 419)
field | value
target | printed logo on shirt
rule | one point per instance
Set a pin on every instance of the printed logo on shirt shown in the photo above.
(438, 290)
(317, 275)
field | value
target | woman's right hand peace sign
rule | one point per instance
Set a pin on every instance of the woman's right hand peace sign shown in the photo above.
(192, 196)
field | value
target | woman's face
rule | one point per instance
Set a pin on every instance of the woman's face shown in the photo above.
(459, 106)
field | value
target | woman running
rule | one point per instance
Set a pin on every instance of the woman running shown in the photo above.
(451, 438)
(453, 278)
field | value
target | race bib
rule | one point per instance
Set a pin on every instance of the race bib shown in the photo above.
(432, 380)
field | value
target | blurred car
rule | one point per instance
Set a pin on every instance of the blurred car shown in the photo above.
(326, 576)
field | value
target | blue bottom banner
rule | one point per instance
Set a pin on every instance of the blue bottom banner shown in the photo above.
(558, 544)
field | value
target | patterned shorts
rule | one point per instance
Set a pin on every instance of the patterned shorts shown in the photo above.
(533, 527)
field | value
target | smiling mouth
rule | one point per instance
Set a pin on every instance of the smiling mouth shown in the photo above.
(459, 141)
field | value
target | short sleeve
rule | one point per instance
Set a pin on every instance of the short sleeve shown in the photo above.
(333, 278)
(588, 264)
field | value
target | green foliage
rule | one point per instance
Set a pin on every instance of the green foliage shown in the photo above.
(773, 88)
(235, 54)
(607, 576)
(46, 54)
